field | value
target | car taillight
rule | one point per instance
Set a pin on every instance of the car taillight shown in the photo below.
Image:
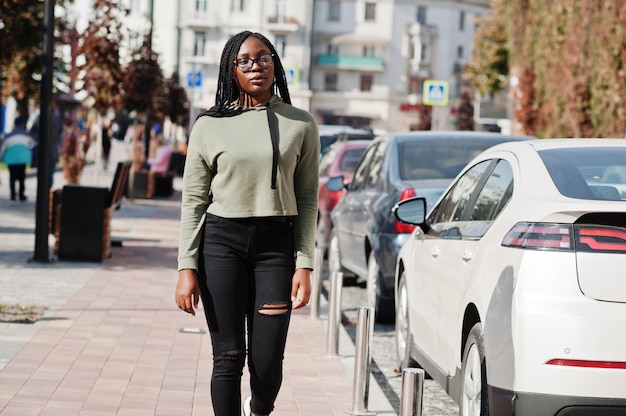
(333, 198)
(567, 237)
(539, 236)
(399, 227)
(597, 238)
(620, 365)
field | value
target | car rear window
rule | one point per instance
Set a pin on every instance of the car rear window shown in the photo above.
(432, 159)
(350, 159)
(588, 173)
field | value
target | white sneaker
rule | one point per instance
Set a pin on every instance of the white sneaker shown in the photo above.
(247, 411)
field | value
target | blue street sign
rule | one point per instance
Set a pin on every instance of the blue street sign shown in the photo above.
(292, 75)
(435, 92)
(194, 79)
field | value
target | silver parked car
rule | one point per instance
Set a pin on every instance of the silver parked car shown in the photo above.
(365, 236)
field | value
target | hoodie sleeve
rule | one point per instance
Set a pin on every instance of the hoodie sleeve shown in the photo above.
(306, 188)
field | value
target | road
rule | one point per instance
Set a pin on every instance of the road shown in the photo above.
(435, 401)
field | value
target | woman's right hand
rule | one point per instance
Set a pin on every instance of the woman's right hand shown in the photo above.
(187, 291)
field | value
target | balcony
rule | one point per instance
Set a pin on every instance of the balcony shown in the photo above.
(200, 20)
(350, 62)
(282, 24)
(419, 68)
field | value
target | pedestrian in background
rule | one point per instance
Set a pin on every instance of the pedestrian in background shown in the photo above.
(107, 135)
(248, 217)
(16, 152)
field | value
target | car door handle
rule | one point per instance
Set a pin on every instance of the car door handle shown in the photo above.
(435, 252)
(467, 255)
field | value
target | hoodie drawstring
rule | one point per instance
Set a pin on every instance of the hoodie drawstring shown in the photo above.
(274, 137)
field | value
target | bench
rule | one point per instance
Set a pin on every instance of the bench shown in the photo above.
(147, 184)
(83, 218)
(164, 182)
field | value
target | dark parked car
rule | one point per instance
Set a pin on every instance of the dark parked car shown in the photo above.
(330, 134)
(340, 159)
(366, 237)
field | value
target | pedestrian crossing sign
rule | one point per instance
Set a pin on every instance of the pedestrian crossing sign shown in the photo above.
(435, 92)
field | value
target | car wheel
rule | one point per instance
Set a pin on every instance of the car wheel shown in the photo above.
(474, 400)
(403, 336)
(384, 308)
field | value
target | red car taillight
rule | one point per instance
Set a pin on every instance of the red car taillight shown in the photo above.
(588, 364)
(566, 237)
(333, 198)
(399, 227)
(600, 238)
(539, 236)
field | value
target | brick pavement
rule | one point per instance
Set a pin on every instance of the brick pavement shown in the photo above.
(113, 342)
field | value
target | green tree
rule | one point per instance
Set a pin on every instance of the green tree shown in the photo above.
(489, 68)
(21, 40)
(20, 50)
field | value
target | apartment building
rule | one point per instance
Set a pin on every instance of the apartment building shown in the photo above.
(356, 62)
(371, 58)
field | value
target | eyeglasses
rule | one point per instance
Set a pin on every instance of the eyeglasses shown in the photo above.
(246, 64)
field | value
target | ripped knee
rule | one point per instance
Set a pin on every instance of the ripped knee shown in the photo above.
(232, 355)
(277, 308)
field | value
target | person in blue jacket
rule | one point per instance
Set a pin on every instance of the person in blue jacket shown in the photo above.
(16, 153)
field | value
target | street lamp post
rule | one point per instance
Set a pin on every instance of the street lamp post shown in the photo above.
(45, 139)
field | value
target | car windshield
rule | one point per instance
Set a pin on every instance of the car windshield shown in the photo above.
(432, 159)
(597, 173)
(350, 159)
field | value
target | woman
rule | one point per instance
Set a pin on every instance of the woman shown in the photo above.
(249, 209)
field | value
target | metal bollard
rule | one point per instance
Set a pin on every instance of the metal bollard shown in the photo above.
(412, 393)
(316, 283)
(362, 362)
(334, 313)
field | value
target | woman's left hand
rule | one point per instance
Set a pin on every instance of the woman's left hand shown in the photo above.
(301, 288)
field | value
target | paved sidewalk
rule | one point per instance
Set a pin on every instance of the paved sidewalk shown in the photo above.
(113, 342)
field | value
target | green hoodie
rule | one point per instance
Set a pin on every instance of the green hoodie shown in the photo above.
(228, 173)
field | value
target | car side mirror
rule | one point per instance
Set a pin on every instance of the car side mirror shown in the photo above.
(411, 211)
(336, 184)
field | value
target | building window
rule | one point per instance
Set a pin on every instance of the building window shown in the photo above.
(281, 10)
(366, 82)
(134, 6)
(368, 51)
(462, 21)
(239, 5)
(334, 11)
(199, 42)
(280, 42)
(332, 49)
(370, 12)
(201, 5)
(330, 81)
(421, 15)
(459, 52)
(416, 86)
(134, 41)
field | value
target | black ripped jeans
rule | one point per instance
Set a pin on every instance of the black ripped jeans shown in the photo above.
(245, 272)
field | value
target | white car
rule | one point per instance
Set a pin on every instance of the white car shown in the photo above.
(511, 293)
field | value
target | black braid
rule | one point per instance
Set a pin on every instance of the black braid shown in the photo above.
(227, 89)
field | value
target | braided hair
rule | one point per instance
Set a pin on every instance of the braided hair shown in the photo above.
(227, 89)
